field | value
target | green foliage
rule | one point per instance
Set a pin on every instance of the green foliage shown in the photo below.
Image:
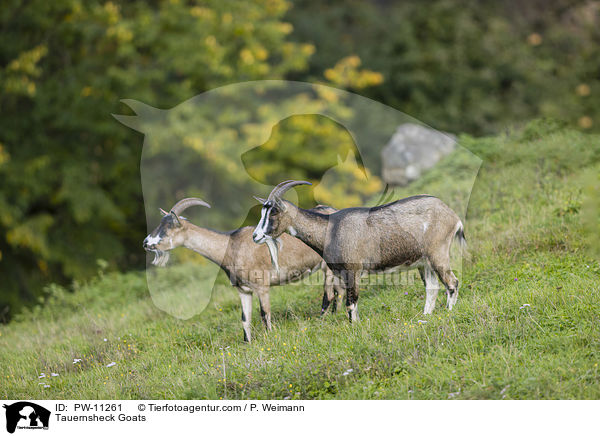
(70, 173)
(312, 146)
(465, 65)
(491, 346)
(70, 189)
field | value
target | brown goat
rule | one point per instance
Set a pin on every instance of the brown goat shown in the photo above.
(248, 266)
(414, 232)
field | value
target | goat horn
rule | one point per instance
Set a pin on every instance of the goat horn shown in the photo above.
(182, 205)
(280, 189)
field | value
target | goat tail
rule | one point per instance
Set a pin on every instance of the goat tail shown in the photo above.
(459, 234)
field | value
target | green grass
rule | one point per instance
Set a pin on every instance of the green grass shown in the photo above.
(528, 244)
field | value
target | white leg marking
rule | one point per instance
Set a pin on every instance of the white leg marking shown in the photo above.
(353, 312)
(432, 287)
(246, 299)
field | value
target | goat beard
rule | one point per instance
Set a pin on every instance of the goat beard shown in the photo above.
(160, 257)
(274, 245)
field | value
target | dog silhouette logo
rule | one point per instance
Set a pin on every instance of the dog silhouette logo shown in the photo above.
(231, 143)
(26, 415)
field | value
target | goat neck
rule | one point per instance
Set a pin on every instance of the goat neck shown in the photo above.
(308, 226)
(209, 243)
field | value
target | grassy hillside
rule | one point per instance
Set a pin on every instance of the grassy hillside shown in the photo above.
(529, 244)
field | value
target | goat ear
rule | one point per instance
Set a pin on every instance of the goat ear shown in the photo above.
(163, 212)
(177, 221)
(280, 205)
(260, 200)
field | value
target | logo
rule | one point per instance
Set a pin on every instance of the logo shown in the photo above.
(265, 132)
(26, 415)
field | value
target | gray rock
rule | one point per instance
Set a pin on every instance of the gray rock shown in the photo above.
(412, 150)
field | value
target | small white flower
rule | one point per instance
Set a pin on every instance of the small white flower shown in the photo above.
(76, 361)
(422, 321)
(348, 371)
(111, 364)
(453, 394)
(42, 375)
(524, 306)
(105, 340)
(46, 386)
(54, 374)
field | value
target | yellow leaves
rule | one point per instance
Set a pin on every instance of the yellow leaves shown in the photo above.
(249, 56)
(246, 56)
(227, 18)
(116, 29)
(86, 91)
(31, 234)
(350, 61)
(113, 12)
(194, 142)
(285, 28)
(210, 41)
(200, 12)
(345, 74)
(330, 95)
(4, 156)
(261, 53)
(585, 122)
(27, 61)
(534, 39)
(347, 184)
(307, 49)
(583, 90)
(276, 7)
(20, 71)
(121, 33)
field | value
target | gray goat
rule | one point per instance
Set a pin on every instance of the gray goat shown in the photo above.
(414, 232)
(248, 266)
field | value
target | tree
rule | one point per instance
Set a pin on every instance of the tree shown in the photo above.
(70, 173)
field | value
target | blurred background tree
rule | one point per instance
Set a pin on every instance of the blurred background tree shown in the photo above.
(465, 65)
(70, 186)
